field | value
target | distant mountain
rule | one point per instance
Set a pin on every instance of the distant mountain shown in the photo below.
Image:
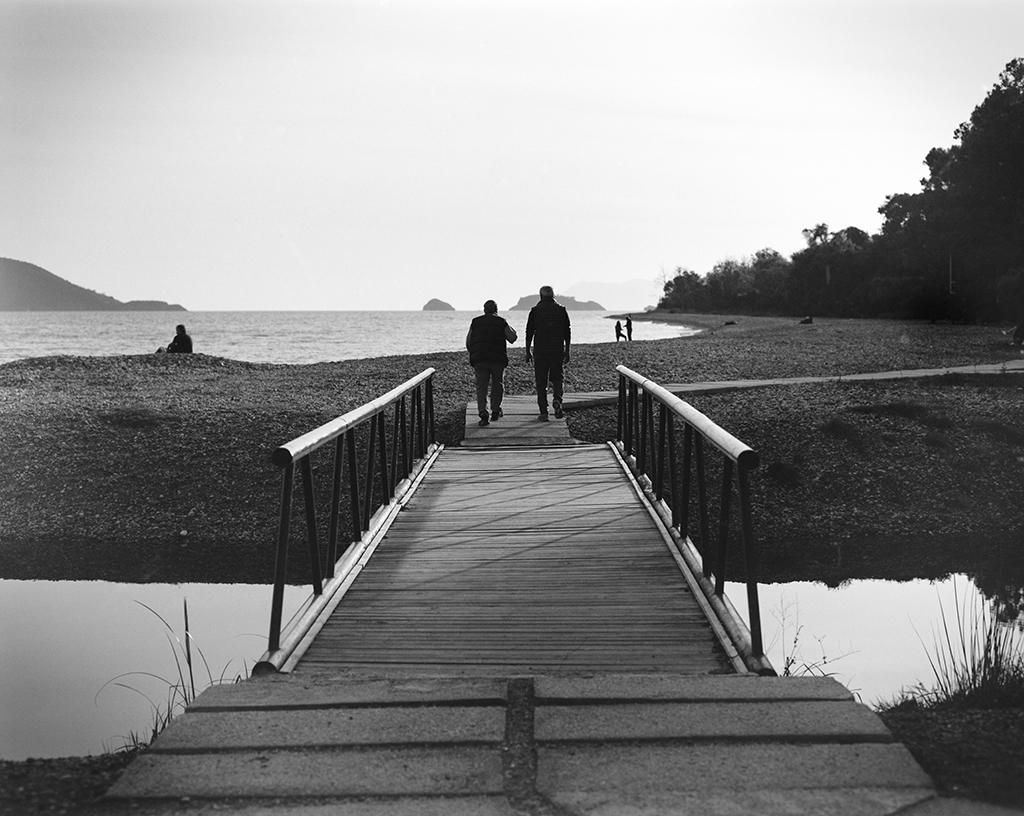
(570, 303)
(634, 295)
(25, 287)
(435, 305)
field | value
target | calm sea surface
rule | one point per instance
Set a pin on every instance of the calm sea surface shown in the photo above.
(277, 337)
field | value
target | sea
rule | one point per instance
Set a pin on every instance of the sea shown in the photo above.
(280, 337)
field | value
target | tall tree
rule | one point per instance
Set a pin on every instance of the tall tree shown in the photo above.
(684, 292)
(963, 233)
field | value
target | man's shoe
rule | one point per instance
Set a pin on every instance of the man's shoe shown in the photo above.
(543, 418)
(495, 416)
(483, 421)
(558, 411)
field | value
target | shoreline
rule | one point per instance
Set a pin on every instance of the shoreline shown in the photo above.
(121, 454)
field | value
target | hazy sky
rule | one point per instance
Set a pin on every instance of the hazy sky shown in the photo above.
(292, 154)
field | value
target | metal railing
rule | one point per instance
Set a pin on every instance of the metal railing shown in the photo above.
(413, 439)
(653, 453)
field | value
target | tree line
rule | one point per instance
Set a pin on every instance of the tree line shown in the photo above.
(952, 251)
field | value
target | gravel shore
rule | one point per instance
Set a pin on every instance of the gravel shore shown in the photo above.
(157, 467)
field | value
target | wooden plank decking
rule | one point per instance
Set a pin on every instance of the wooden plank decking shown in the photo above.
(522, 559)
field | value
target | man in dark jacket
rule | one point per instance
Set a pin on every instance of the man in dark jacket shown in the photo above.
(485, 343)
(547, 329)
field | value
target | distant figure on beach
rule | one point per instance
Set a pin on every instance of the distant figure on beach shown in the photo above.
(548, 330)
(182, 343)
(618, 331)
(485, 343)
(629, 328)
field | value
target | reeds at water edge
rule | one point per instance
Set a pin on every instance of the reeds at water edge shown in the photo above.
(180, 692)
(977, 661)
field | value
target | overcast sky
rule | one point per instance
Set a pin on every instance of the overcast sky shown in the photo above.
(372, 155)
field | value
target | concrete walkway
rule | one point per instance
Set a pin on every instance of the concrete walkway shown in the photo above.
(587, 399)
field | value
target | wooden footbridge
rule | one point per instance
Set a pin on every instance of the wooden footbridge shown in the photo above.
(523, 624)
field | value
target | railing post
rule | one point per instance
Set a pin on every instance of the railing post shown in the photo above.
(314, 545)
(652, 438)
(281, 563)
(430, 411)
(368, 484)
(684, 510)
(394, 453)
(631, 401)
(673, 475)
(405, 441)
(353, 484)
(382, 451)
(641, 456)
(332, 531)
(723, 525)
(659, 456)
(417, 424)
(702, 504)
(619, 435)
(750, 561)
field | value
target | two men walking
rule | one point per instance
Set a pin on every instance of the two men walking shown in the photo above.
(548, 338)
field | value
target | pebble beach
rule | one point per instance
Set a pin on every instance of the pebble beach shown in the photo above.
(157, 467)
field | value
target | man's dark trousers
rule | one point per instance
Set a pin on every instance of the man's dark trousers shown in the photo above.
(493, 373)
(548, 368)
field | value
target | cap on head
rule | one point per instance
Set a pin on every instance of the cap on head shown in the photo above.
(490, 307)
(547, 292)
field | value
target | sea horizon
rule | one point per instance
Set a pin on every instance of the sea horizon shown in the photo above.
(283, 336)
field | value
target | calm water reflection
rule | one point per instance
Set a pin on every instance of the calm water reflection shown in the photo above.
(875, 635)
(63, 641)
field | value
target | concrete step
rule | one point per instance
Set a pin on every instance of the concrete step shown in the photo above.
(614, 743)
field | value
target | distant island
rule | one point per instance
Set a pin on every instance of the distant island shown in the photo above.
(25, 287)
(528, 302)
(435, 305)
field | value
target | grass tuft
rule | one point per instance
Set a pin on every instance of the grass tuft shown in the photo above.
(977, 661)
(181, 691)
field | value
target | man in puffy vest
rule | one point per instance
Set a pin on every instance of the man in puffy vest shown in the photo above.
(485, 343)
(547, 328)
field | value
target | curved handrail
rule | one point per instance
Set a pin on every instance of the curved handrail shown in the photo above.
(652, 453)
(413, 439)
(745, 456)
(294, 450)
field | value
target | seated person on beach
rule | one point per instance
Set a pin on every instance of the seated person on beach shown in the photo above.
(182, 343)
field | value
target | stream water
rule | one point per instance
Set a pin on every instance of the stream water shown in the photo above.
(87, 663)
